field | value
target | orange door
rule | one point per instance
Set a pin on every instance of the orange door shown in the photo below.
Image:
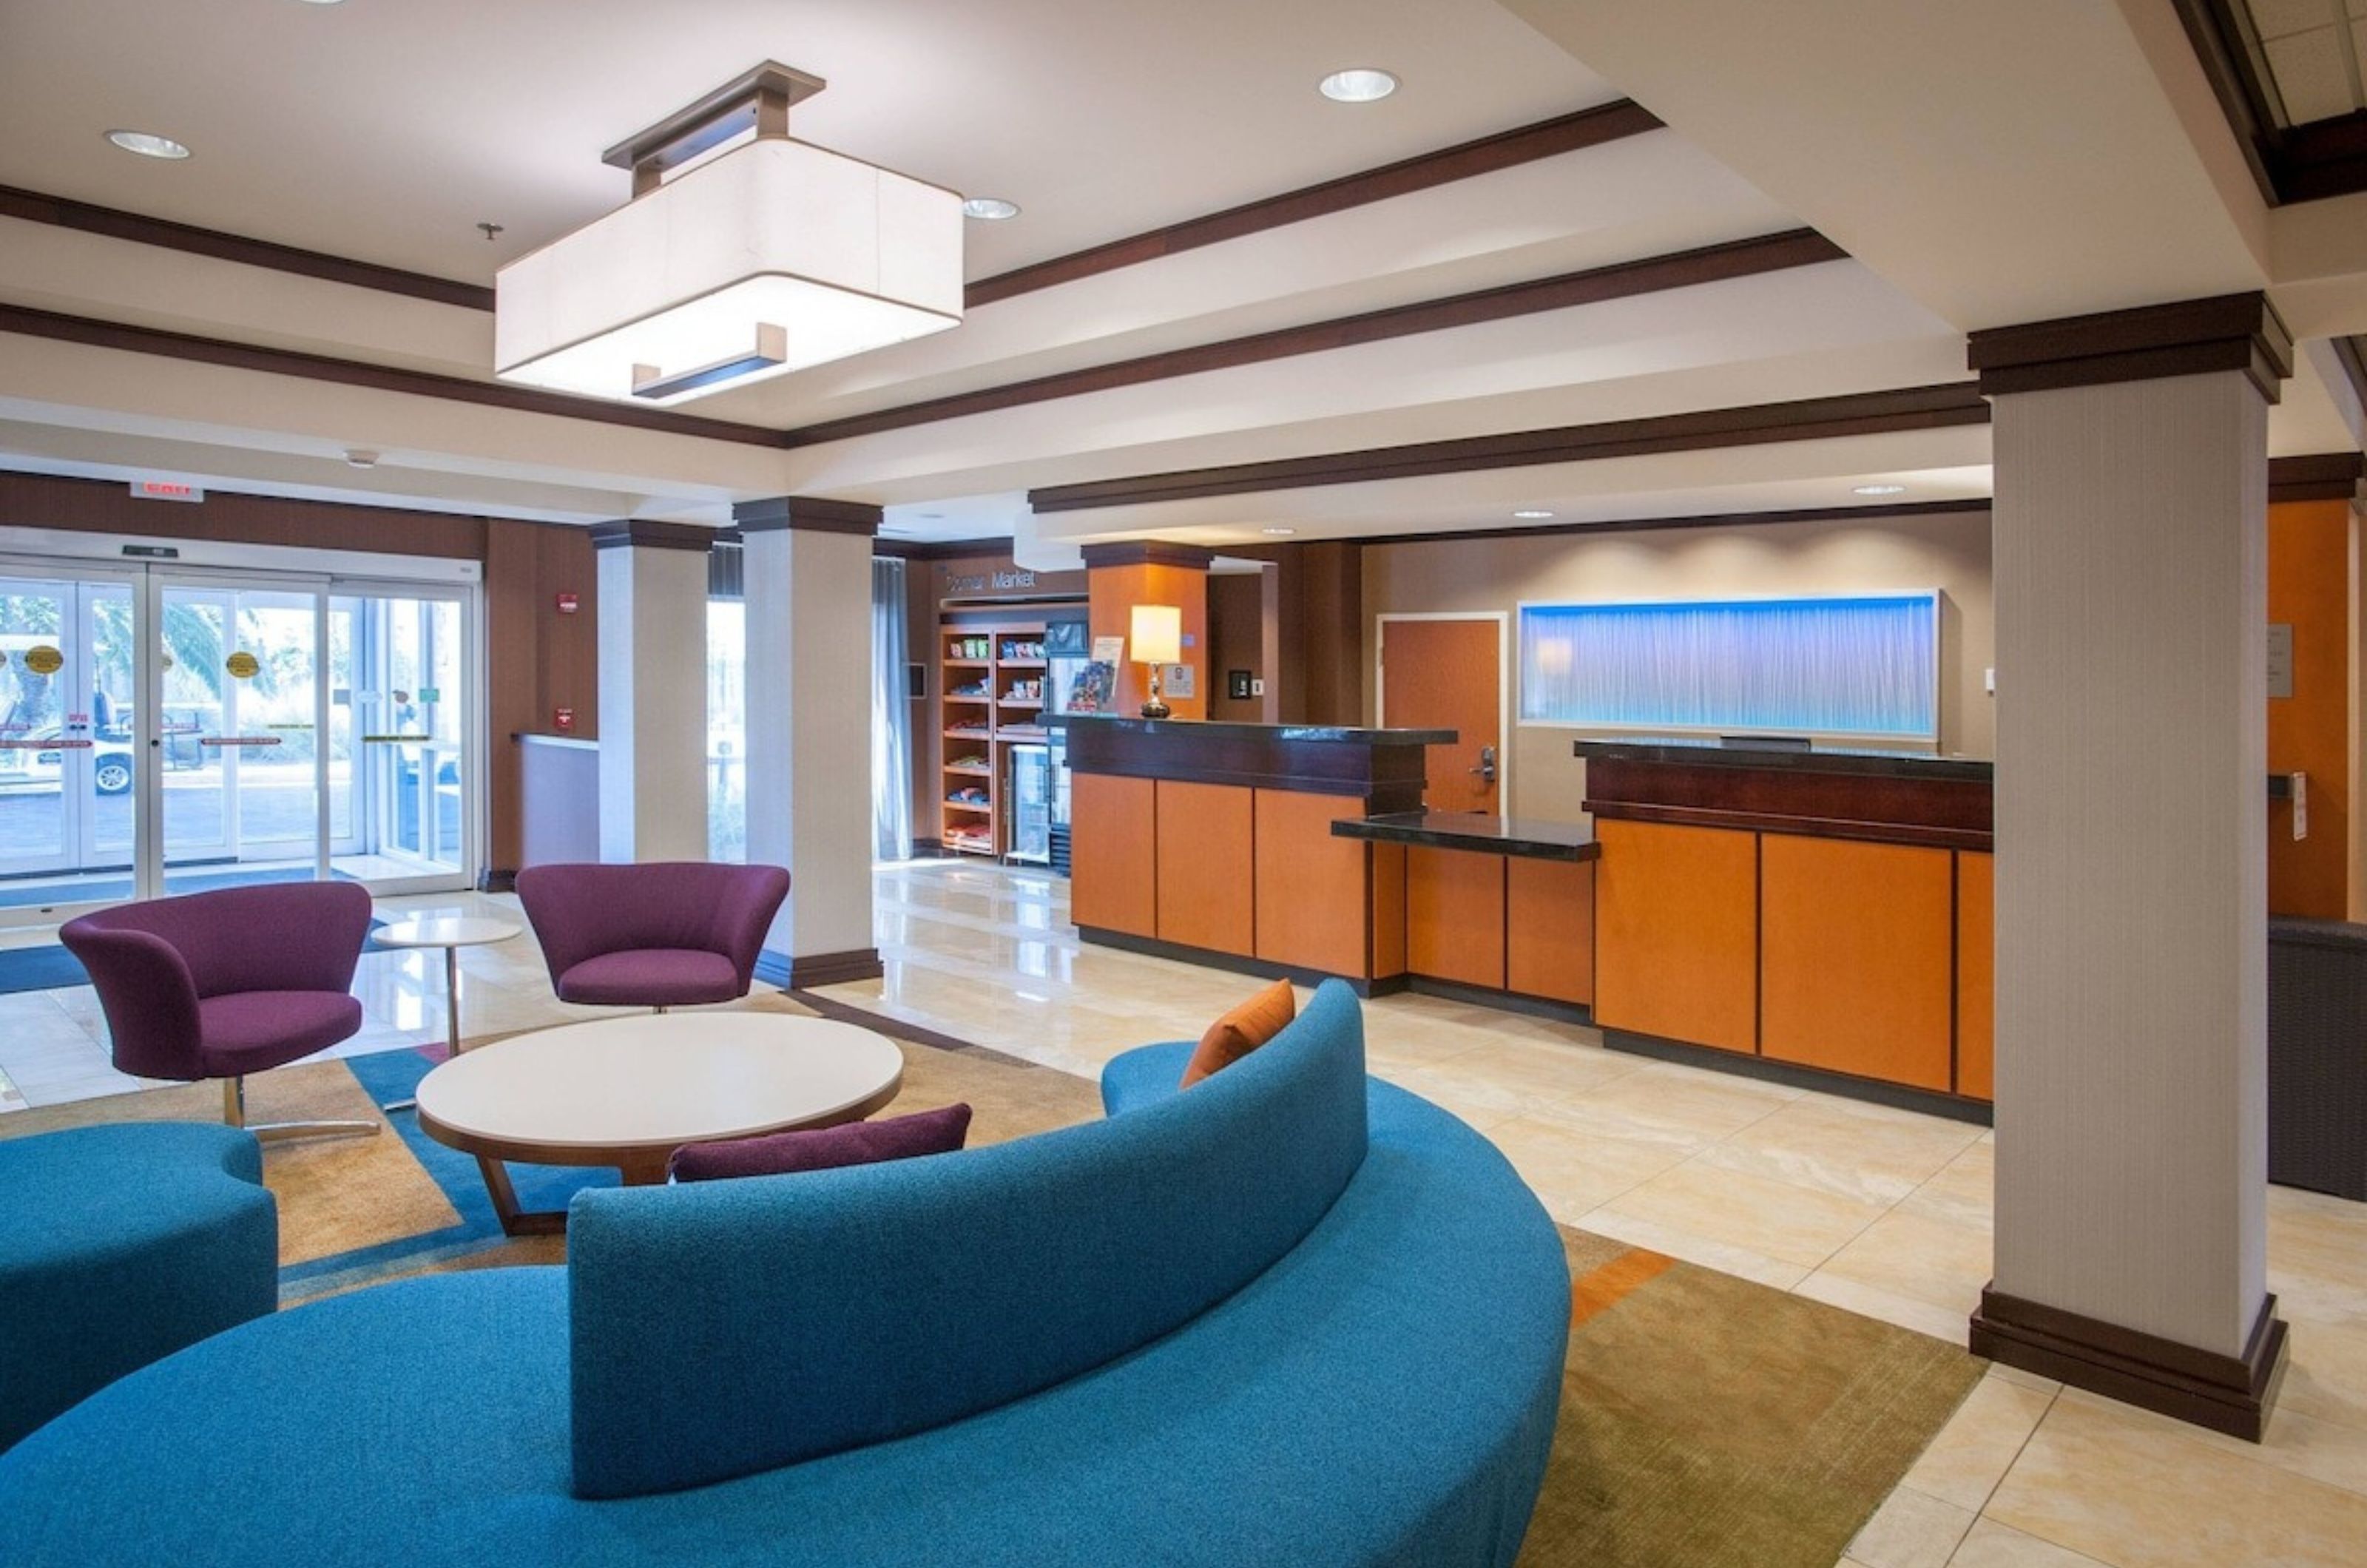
(1449, 676)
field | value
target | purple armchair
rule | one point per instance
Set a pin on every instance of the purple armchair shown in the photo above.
(667, 933)
(221, 985)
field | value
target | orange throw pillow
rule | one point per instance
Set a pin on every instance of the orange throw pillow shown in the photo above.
(1242, 1031)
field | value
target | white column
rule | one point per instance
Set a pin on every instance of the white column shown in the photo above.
(653, 691)
(807, 567)
(2131, 563)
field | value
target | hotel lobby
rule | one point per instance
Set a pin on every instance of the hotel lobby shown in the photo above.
(1576, 792)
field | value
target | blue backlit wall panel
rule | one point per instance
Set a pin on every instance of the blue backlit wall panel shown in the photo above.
(1867, 665)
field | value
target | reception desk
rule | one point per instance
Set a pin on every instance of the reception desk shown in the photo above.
(1819, 917)
(1823, 911)
(1212, 842)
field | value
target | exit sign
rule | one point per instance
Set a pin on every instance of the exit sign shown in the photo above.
(166, 490)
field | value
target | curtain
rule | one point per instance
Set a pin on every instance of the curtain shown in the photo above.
(891, 715)
(1855, 666)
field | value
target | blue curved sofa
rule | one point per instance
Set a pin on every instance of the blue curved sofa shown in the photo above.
(1289, 1317)
(121, 1244)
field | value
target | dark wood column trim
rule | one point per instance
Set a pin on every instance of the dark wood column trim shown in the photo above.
(806, 513)
(190, 346)
(643, 533)
(1650, 274)
(1147, 552)
(2192, 337)
(1812, 419)
(2324, 476)
(2225, 1394)
(797, 973)
(63, 213)
(1524, 144)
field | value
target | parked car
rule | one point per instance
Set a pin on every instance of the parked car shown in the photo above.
(110, 764)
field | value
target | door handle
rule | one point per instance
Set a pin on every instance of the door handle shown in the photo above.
(1486, 768)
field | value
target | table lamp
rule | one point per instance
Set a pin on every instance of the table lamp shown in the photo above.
(1158, 638)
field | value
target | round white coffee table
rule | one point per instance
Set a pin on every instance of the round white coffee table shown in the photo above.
(450, 933)
(628, 1091)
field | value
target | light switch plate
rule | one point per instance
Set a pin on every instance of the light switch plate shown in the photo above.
(1257, 687)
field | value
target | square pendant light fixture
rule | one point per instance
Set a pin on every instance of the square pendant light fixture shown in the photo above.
(769, 257)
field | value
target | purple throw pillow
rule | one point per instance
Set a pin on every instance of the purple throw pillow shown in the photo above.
(936, 1132)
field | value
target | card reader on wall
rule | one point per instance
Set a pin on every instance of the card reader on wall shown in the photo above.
(2294, 787)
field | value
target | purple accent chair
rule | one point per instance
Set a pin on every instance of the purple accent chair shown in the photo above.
(220, 984)
(659, 934)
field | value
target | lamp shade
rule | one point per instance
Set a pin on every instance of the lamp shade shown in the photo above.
(1157, 634)
(769, 258)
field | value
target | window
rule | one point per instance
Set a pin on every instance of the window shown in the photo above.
(1861, 666)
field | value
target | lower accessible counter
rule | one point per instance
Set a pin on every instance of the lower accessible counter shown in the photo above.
(1818, 918)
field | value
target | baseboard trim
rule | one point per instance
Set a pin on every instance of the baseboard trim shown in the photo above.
(2226, 1394)
(803, 971)
(1503, 1001)
(1235, 963)
(1791, 1075)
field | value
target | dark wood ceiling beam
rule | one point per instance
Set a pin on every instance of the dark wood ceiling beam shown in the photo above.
(1812, 419)
(1504, 150)
(1526, 144)
(375, 377)
(1651, 275)
(191, 239)
(1875, 513)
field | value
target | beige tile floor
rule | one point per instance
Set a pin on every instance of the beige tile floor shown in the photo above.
(1880, 1212)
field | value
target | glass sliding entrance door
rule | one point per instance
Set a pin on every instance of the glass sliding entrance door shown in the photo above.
(242, 784)
(169, 731)
(68, 806)
(407, 704)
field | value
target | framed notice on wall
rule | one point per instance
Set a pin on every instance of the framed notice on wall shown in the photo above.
(1179, 680)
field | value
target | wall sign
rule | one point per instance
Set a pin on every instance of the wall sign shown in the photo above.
(166, 490)
(569, 603)
(2279, 659)
(563, 720)
(998, 581)
(43, 660)
(1179, 680)
(243, 665)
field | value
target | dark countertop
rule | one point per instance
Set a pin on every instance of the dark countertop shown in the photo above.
(1128, 724)
(1868, 761)
(1477, 832)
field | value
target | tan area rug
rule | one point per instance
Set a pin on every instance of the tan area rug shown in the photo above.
(1705, 1421)
(1715, 1423)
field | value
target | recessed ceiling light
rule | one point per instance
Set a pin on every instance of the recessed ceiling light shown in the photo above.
(357, 457)
(1362, 85)
(1279, 531)
(324, 2)
(933, 516)
(992, 209)
(1530, 515)
(1879, 489)
(147, 144)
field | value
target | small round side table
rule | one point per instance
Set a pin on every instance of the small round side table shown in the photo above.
(450, 933)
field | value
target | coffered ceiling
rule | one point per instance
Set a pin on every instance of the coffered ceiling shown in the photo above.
(384, 130)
